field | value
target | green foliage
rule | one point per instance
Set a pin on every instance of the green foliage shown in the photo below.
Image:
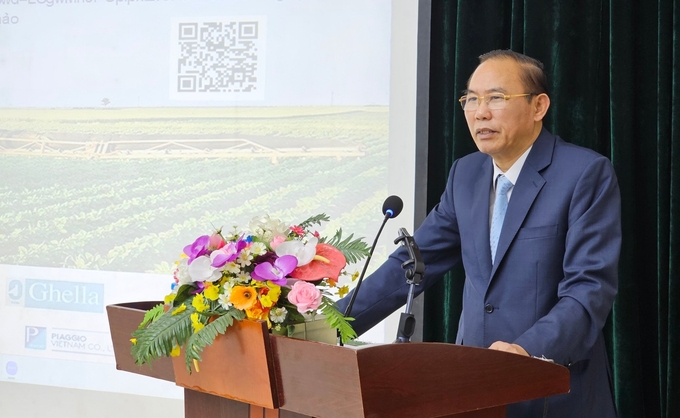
(203, 338)
(354, 250)
(314, 220)
(335, 319)
(152, 315)
(183, 295)
(158, 339)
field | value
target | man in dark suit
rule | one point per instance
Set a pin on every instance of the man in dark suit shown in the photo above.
(544, 284)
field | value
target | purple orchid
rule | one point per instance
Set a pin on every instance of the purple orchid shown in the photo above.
(276, 272)
(197, 248)
(228, 253)
(224, 255)
(199, 288)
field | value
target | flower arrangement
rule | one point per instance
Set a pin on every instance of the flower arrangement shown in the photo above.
(273, 272)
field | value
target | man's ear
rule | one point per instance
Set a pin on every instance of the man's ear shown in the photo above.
(541, 105)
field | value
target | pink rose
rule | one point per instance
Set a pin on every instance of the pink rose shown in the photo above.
(305, 296)
(276, 241)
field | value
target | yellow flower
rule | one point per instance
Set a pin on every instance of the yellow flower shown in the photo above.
(272, 296)
(195, 323)
(199, 303)
(133, 341)
(257, 312)
(179, 309)
(243, 297)
(355, 275)
(175, 351)
(211, 291)
(169, 298)
(343, 290)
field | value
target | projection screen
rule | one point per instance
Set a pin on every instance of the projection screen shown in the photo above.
(130, 127)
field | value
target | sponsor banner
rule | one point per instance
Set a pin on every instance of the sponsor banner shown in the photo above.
(55, 330)
(67, 343)
(61, 313)
(66, 340)
(65, 296)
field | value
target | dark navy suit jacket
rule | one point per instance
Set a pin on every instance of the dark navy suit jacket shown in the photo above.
(555, 276)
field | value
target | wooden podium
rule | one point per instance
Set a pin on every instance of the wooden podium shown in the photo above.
(248, 373)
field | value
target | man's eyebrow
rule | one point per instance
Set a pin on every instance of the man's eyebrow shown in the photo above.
(491, 90)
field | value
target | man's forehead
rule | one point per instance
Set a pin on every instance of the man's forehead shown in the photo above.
(487, 91)
(495, 75)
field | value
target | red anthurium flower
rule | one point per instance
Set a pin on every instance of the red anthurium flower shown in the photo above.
(328, 265)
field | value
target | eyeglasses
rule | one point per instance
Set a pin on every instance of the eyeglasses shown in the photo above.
(494, 101)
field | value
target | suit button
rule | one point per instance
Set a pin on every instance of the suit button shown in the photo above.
(488, 308)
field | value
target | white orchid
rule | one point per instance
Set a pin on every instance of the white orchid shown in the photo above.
(200, 270)
(304, 251)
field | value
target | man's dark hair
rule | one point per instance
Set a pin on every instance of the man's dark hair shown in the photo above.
(533, 77)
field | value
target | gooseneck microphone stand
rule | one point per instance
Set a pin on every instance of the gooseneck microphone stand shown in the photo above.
(415, 268)
(363, 272)
(391, 209)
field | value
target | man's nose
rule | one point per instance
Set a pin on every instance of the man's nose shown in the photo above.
(482, 111)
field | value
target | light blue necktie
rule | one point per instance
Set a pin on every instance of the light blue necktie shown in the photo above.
(499, 208)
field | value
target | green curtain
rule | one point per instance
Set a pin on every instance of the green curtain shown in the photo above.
(614, 69)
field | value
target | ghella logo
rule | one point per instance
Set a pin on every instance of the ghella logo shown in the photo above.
(59, 295)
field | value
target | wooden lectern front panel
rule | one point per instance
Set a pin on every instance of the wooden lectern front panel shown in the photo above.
(203, 405)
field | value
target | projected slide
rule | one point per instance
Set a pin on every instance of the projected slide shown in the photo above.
(128, 128)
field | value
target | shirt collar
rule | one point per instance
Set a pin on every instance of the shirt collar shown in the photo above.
(513, 172)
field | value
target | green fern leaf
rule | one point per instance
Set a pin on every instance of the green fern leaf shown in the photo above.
(336, 320)
(314, 220)
(152, 315)
(158, 339)
(354, 250)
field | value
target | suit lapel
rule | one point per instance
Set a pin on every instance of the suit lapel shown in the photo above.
(480, 219)
(529, 184)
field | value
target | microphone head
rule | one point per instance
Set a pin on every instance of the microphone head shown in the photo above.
(392, 206)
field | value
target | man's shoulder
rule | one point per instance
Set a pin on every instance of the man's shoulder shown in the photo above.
(563, 152)
(571, 161)
(570, 149)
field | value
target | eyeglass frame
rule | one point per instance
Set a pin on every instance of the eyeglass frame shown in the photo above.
(506, 97)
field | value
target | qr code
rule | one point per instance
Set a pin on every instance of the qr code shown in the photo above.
(221, 59)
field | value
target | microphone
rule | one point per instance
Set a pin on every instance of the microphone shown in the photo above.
(391, 209)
